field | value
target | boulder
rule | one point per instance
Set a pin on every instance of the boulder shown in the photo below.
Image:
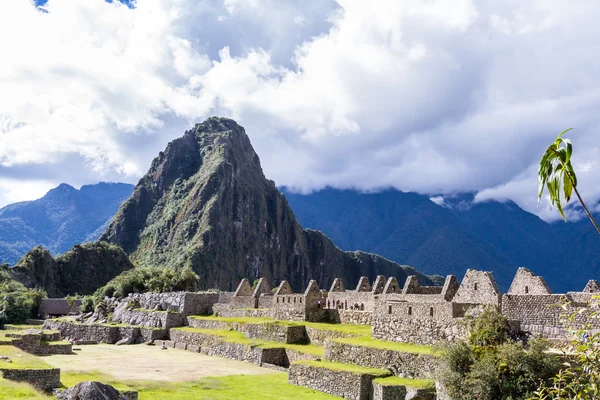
(94, 391)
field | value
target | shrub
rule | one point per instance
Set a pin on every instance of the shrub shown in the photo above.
(579, 377)
(17, 303)
(489, 366)
(148, 279)
(87, 304)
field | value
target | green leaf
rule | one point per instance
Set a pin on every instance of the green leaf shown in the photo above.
(563, 132)
(568, 188)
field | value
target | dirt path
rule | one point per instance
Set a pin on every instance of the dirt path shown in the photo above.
(141, 362)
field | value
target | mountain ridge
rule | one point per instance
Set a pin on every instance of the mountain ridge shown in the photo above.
(60, 219)
(448, 239)
(206, 203)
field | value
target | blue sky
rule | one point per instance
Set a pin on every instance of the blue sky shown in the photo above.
(433, 96)
(127, 2)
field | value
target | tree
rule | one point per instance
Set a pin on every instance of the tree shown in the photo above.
(558, 176)
(71, 301)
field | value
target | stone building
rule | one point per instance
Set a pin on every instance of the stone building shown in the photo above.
(411, 312)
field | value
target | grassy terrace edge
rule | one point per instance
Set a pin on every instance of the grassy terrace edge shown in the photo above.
(239, 338)
(365, 341)
(413, 383)
(358, 330)
(335, 366)
(21, 359)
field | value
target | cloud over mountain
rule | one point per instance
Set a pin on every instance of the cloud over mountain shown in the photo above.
(432, 96)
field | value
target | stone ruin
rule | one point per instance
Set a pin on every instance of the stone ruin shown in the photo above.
(413, 313)
(398, 312)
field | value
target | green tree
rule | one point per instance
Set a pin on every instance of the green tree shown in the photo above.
(556, 174)
(71, 300)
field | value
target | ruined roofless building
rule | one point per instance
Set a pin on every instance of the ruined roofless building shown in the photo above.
(411, 312)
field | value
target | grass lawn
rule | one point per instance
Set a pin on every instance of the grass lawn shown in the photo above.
(20, 359)
(396, 381)
(358, 330)
(334, 366)
(10, 390)
(238, 337)
(385, 345)
(233, 387)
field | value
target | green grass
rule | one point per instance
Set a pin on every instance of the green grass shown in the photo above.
(233, 387)
(10, 390)
(334, 366)
(396, 381)
(238, 337)
(385, 345)
(21, 327)
(20, 359)
(357, 330)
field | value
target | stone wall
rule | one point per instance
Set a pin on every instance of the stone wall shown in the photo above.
(243, 302)
(319, 336)
(104, 333)
(199, 303)
(361, 301)
(406, 365)
(44, 379)
(266, 301)
(215, 346)
(478, 287)
(171, 301)
(151, 319)
(354, 317)
(348, 385)
(399, 392)
(419, 323)
(525, 282)
(97, 333)
(533, 309)
(55, 348)
(385, 392)
(36, 342)
(276, 333)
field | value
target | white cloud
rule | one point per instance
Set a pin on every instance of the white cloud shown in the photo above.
(434, 96)
(439, 200)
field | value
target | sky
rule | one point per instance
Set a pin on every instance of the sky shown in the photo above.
(433, 96)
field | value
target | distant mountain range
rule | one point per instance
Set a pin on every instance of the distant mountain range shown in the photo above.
(411, 229)
(62, 218)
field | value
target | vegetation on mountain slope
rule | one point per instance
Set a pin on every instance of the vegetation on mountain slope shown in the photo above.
(81, 270)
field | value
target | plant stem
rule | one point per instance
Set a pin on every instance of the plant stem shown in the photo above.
(581, 201)
(585, 208)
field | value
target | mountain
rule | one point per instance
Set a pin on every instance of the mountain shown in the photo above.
(206, 203)
(447, 239)
(63, 217)
(81, 270)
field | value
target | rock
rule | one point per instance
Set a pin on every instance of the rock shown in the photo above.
(93, 391)
(123, 341)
